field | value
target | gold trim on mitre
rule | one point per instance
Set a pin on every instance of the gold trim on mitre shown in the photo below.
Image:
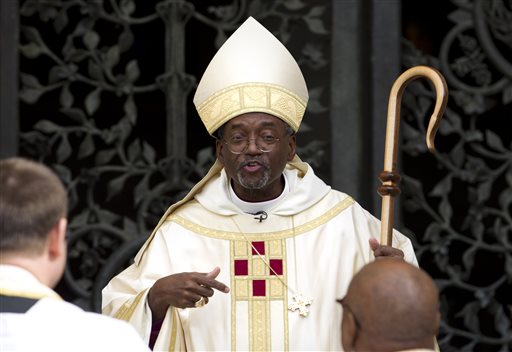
(252, 97)
(252, 72)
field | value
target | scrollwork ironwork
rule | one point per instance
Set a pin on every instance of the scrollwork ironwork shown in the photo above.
(464, 235)
(105, 92)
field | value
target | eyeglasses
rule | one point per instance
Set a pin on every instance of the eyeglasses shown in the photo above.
(239, 145)
(347, 308)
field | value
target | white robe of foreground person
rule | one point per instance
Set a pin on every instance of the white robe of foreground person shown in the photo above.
(54, 325)
(314, 239)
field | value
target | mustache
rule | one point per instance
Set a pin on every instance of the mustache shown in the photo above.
(253, 161)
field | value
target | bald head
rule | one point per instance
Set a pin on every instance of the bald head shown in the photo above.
(392, 303)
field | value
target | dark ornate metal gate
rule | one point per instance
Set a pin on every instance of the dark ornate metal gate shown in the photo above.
(105, 99)
(459, 202)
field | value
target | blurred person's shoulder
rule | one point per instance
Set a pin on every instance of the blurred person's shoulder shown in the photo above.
(93, 330)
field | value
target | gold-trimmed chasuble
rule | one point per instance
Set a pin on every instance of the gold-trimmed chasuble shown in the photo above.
(259, 299)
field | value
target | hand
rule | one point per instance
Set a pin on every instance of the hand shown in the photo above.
(384, 251)
(182, 290)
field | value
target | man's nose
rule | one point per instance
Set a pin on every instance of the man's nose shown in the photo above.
(252, 146)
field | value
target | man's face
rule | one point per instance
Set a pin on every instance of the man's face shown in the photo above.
(256, 174)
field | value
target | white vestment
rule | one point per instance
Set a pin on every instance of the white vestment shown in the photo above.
(315, 239)
(54, 325)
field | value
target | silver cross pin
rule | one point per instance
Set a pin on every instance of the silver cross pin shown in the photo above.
(300, 303)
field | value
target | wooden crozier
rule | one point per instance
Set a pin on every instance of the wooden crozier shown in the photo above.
(389, 176)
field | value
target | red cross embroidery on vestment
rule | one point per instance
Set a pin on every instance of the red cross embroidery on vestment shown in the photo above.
(244, 267)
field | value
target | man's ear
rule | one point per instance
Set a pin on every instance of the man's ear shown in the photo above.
(218, 151)
(292, 145)
(57, 239)
(348, 331)
(438, 322)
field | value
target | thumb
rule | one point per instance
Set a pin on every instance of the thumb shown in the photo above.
(374, 244)
(214, 273)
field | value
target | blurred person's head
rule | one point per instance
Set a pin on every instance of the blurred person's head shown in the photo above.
(390, 305)
(33, 213)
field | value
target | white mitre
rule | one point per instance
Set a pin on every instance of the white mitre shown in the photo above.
(251, 72)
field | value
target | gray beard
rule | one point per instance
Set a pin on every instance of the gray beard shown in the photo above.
(262, 182)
